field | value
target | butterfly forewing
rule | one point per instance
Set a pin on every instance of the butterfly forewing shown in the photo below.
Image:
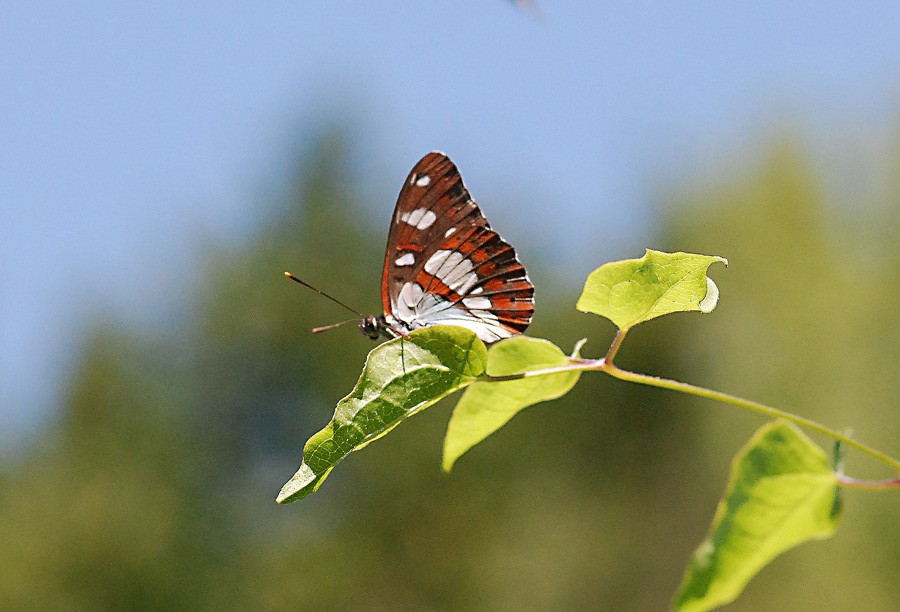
(444, 265)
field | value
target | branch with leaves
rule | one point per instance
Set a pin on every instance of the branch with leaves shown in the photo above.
(782, 490)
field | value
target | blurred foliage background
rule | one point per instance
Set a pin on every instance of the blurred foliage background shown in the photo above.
(154, 488)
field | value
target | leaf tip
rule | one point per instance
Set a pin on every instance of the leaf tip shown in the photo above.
(452, 450)
(447, 464)
(301, 484)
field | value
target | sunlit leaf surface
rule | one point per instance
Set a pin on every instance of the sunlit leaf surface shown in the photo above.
(486, 406)
(781, 494)
(631, 291)
(400, 378)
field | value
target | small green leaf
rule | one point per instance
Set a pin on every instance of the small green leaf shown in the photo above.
(486, 406)
(781, 494)
(634, 290)
(400, 378)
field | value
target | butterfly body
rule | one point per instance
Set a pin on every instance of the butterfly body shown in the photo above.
(444, 265)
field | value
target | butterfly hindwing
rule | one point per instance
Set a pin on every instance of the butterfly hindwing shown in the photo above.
(444, 265)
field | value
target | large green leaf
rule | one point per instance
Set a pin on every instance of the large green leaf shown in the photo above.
(486, 406)
(781, 494)
(635, 290)
(400, 378)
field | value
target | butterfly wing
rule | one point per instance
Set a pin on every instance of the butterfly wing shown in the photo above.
(445, 265)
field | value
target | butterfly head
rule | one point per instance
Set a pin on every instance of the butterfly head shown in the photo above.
(371, 327)
(378, 327)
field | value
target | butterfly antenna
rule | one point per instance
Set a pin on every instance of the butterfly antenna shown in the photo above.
(333, 299)
(333, 325)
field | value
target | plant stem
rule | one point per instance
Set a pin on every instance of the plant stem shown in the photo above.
(869, 485)
(614, 348)
(666, 383)
(575, 365)
(606, 365)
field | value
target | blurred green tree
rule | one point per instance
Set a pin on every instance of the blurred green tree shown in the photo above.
(807, 324)
(155, 489)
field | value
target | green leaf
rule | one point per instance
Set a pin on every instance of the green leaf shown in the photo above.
(634, 290)
(781, 494)
(400, 378)
(486, 406)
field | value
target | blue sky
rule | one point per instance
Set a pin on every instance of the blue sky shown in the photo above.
(127, 130)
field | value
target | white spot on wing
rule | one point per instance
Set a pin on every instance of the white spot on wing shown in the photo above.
(407, 259)
(481, 303)
(452, 269)
(460, 274)
(405, 308)
(410, 294)
(476, 290)
(422, 218)
(465, 283)
(449, 231)
(436, 261)
(423, 181)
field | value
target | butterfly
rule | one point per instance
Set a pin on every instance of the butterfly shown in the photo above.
(444, 265)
